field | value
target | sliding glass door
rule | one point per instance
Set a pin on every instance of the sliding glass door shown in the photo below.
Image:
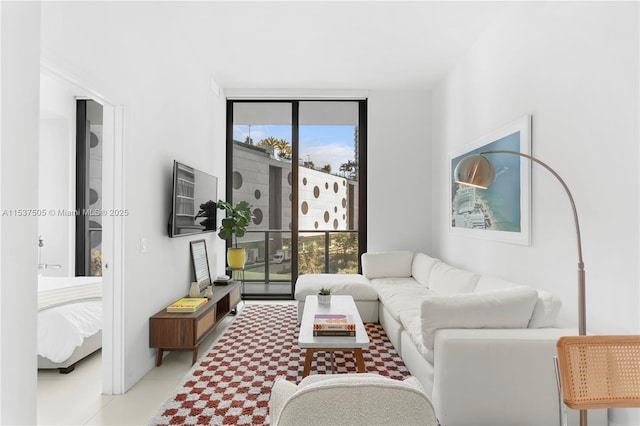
(328, 187)
(299, 164)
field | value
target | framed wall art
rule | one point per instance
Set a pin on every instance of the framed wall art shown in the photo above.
(501, 212)
(200, 264)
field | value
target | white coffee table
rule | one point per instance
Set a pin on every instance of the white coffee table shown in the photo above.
(340, 304)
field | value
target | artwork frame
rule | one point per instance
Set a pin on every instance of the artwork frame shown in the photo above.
(501, 212)
(200, 263)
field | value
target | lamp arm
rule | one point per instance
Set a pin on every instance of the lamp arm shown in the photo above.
(582, 324)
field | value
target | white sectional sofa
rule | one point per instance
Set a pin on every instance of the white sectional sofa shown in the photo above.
(481, 347)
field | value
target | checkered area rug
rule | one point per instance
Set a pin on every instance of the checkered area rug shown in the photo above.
(231, 384)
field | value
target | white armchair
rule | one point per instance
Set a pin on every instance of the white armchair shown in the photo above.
(350, 399)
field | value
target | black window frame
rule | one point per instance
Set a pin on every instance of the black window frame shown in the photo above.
(295, 124)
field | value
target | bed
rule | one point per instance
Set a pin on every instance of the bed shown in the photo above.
(69, 320)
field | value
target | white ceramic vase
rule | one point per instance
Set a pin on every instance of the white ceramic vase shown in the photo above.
(208, 293)
(324, 299)
(194, 290)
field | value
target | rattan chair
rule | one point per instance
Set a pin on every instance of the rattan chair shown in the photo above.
(599, 371)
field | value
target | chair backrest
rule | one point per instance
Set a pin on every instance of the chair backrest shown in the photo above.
(600, 371)
(359, 401)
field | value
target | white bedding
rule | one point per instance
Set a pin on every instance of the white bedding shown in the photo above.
(71, 311)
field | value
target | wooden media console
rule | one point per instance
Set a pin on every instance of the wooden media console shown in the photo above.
(184, 331)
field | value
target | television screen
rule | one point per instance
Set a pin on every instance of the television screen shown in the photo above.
(193, 201)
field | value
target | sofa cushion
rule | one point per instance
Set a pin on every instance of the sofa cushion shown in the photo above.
(546, 310)
(446, 279)
(487, 282)
(354, 284)
(507, 308)
(387, 264)
(400, 294)
(412, 325)
(379, 283)
(421, 268)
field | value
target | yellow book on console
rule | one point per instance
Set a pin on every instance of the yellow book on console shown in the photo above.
(187, 304)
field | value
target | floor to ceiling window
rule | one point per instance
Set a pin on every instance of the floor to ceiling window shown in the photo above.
(328, 187)
(88, 188)
(300, 164)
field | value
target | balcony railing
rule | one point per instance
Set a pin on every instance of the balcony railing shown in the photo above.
(270, 254)
(327, 252)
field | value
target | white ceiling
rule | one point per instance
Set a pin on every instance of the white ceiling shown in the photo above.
(290, 45)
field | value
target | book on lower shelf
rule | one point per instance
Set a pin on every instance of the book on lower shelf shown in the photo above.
(187, 304)
(333, 325)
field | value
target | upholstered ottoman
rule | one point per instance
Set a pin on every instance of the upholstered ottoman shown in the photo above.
(356, 285)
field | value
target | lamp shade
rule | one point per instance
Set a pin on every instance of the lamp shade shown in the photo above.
(475, 170)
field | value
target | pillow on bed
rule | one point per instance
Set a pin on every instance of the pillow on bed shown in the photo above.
(506, 308)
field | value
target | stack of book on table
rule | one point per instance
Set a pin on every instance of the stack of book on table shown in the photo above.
(187, 304)
(333, 325)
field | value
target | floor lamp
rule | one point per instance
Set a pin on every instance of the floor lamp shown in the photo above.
(477, 171)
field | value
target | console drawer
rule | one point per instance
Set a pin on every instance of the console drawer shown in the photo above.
(205, 323)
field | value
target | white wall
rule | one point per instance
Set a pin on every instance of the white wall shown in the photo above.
(399, 177)
(171, 113)
(19, 88)
(574, 68)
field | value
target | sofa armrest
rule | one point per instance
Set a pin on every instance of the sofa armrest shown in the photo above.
(502, 376)
(281, 391)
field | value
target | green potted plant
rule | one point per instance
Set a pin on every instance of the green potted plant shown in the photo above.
(324, 295)
(233, 226)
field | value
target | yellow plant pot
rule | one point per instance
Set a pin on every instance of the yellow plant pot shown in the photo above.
(236, 257)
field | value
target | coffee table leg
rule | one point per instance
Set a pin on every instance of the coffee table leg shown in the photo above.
(359, 360)
(307, 362)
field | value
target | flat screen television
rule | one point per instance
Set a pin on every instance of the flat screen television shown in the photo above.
(192, 189)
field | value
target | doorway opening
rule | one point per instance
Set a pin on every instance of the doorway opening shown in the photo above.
(60, 91)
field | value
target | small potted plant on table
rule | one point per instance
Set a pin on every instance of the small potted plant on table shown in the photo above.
(324, 295)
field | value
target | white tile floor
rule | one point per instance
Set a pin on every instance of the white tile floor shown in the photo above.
(76, 399)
